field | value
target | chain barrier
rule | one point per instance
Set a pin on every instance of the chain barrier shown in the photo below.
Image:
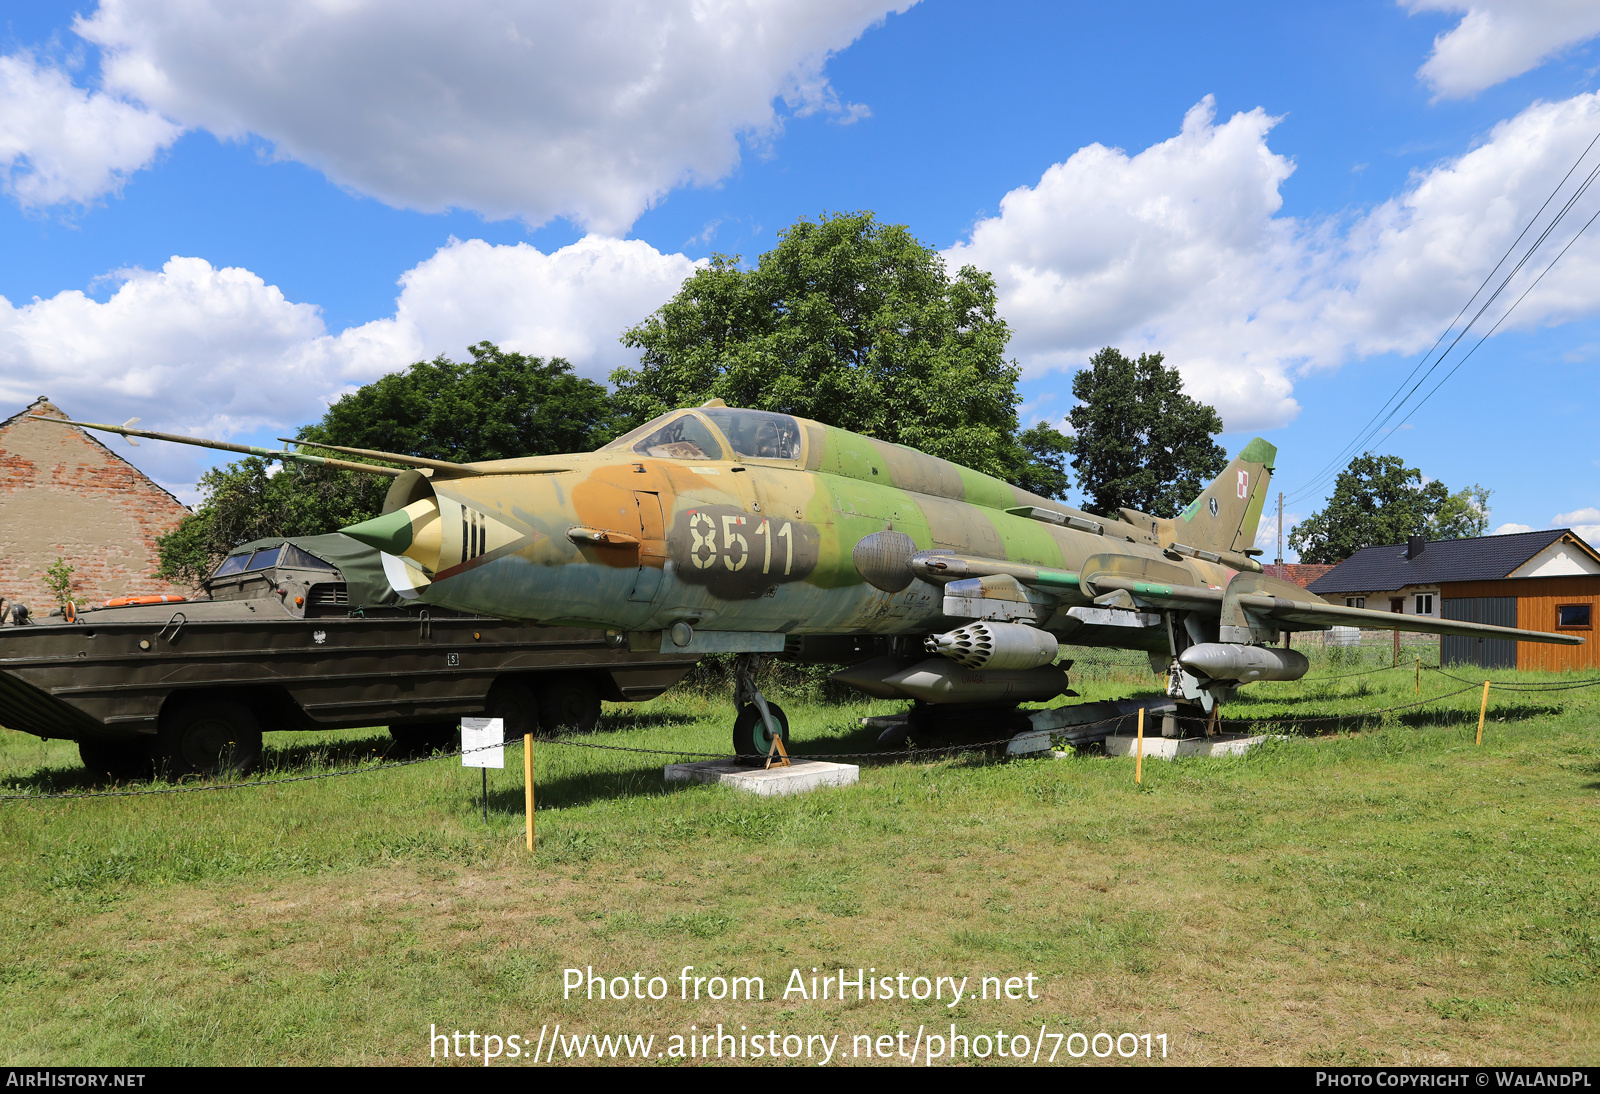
(912, 754)
(1508, 686)
(1337, 717)
(251, 784)
(1309, 679)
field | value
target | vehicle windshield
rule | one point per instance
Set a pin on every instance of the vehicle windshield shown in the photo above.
(294, 556)
(682, 436)
(285, 554)
(758, 434)
(264, 558)
(231, 565)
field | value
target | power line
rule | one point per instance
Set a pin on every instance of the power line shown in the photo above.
(1397, 401)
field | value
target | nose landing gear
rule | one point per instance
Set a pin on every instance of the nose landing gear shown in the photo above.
(759, 720)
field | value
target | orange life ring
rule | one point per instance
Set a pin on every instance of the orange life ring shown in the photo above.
(69, 612)
(131, 601)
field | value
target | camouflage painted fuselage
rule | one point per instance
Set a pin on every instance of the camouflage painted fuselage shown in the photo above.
(814, 544)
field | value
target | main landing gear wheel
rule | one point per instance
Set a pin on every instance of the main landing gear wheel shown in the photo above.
(213, 738)
(750, 736)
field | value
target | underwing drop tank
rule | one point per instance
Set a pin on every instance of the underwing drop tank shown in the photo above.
(1227, 661)
(940, 680)
(996, 646)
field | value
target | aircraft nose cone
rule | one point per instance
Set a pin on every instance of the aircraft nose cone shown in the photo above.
(390, 533)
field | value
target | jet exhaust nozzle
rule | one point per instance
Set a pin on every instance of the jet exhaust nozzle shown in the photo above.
(1229, 661)
(996, 646)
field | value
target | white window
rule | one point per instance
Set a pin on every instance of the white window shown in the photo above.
(1355, 602)
(1424, 604)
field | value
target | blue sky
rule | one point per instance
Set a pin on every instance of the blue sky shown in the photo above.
(219, 219)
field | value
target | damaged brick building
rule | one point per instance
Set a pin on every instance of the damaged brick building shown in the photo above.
(65, 495)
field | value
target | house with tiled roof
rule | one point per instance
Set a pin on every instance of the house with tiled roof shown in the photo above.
(1300, 573)
(1544, 581)
(65, 495)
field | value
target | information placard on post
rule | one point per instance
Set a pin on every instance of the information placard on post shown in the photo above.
(483, 742)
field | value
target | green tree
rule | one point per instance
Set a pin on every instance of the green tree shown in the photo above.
(1141, 442)
(496, 406)
(1044, 466)
(58, 579)
(1462, 515)
(849, 322)
(244, 502)
(1379, 500)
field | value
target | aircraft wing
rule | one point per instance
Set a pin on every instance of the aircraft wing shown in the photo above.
(994, 588)
(1334, 615)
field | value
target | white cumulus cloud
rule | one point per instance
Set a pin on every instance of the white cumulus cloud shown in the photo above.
(1139, 250)
(60, 144)
(573, 303)
(1499, 39)
(1180, 249)
(507, 107)
(1585, 522)
(216, 352)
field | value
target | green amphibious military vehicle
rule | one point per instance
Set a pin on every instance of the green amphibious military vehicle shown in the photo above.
(299, 634)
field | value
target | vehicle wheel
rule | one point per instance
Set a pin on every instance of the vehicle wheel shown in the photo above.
(750, 736)
(122, 760)
(212, 738)
(569, 704)
(517, 705)
(423, 738)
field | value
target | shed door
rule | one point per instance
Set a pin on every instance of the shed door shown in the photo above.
(1485, 653)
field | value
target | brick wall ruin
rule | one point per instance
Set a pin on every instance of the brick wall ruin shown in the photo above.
(64, 494)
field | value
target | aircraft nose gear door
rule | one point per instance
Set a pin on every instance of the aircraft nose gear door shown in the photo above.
(652, 547)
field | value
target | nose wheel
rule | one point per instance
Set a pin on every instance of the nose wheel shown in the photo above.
(750, 734)
(759, 719)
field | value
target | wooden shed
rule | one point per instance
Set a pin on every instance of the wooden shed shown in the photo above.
(1543, 581)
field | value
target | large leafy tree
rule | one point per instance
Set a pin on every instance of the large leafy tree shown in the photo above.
(1043, 469)
(496, 406)
(853, 323)
(1379, 500)
(1141, 442)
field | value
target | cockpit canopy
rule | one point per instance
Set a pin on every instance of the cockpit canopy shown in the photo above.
(699, 435)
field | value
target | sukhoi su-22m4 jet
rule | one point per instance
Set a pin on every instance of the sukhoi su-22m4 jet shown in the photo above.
(722, 530)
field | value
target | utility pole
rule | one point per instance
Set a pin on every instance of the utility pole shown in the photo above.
(1279, 571)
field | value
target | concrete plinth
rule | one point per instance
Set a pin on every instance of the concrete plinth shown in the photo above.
(1172, 748)
(770, 782)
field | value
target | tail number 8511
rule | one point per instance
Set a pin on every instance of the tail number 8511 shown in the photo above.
(732, 546)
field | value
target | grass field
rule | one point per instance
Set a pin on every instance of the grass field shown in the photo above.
(1380, 891)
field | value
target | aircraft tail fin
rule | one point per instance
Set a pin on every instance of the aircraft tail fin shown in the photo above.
(1227, 513)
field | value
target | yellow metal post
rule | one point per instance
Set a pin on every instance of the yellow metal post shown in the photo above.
(527, 784)
(1483, 708)
(1138, 755)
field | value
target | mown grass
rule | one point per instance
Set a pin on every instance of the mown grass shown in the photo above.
(1376, 890)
